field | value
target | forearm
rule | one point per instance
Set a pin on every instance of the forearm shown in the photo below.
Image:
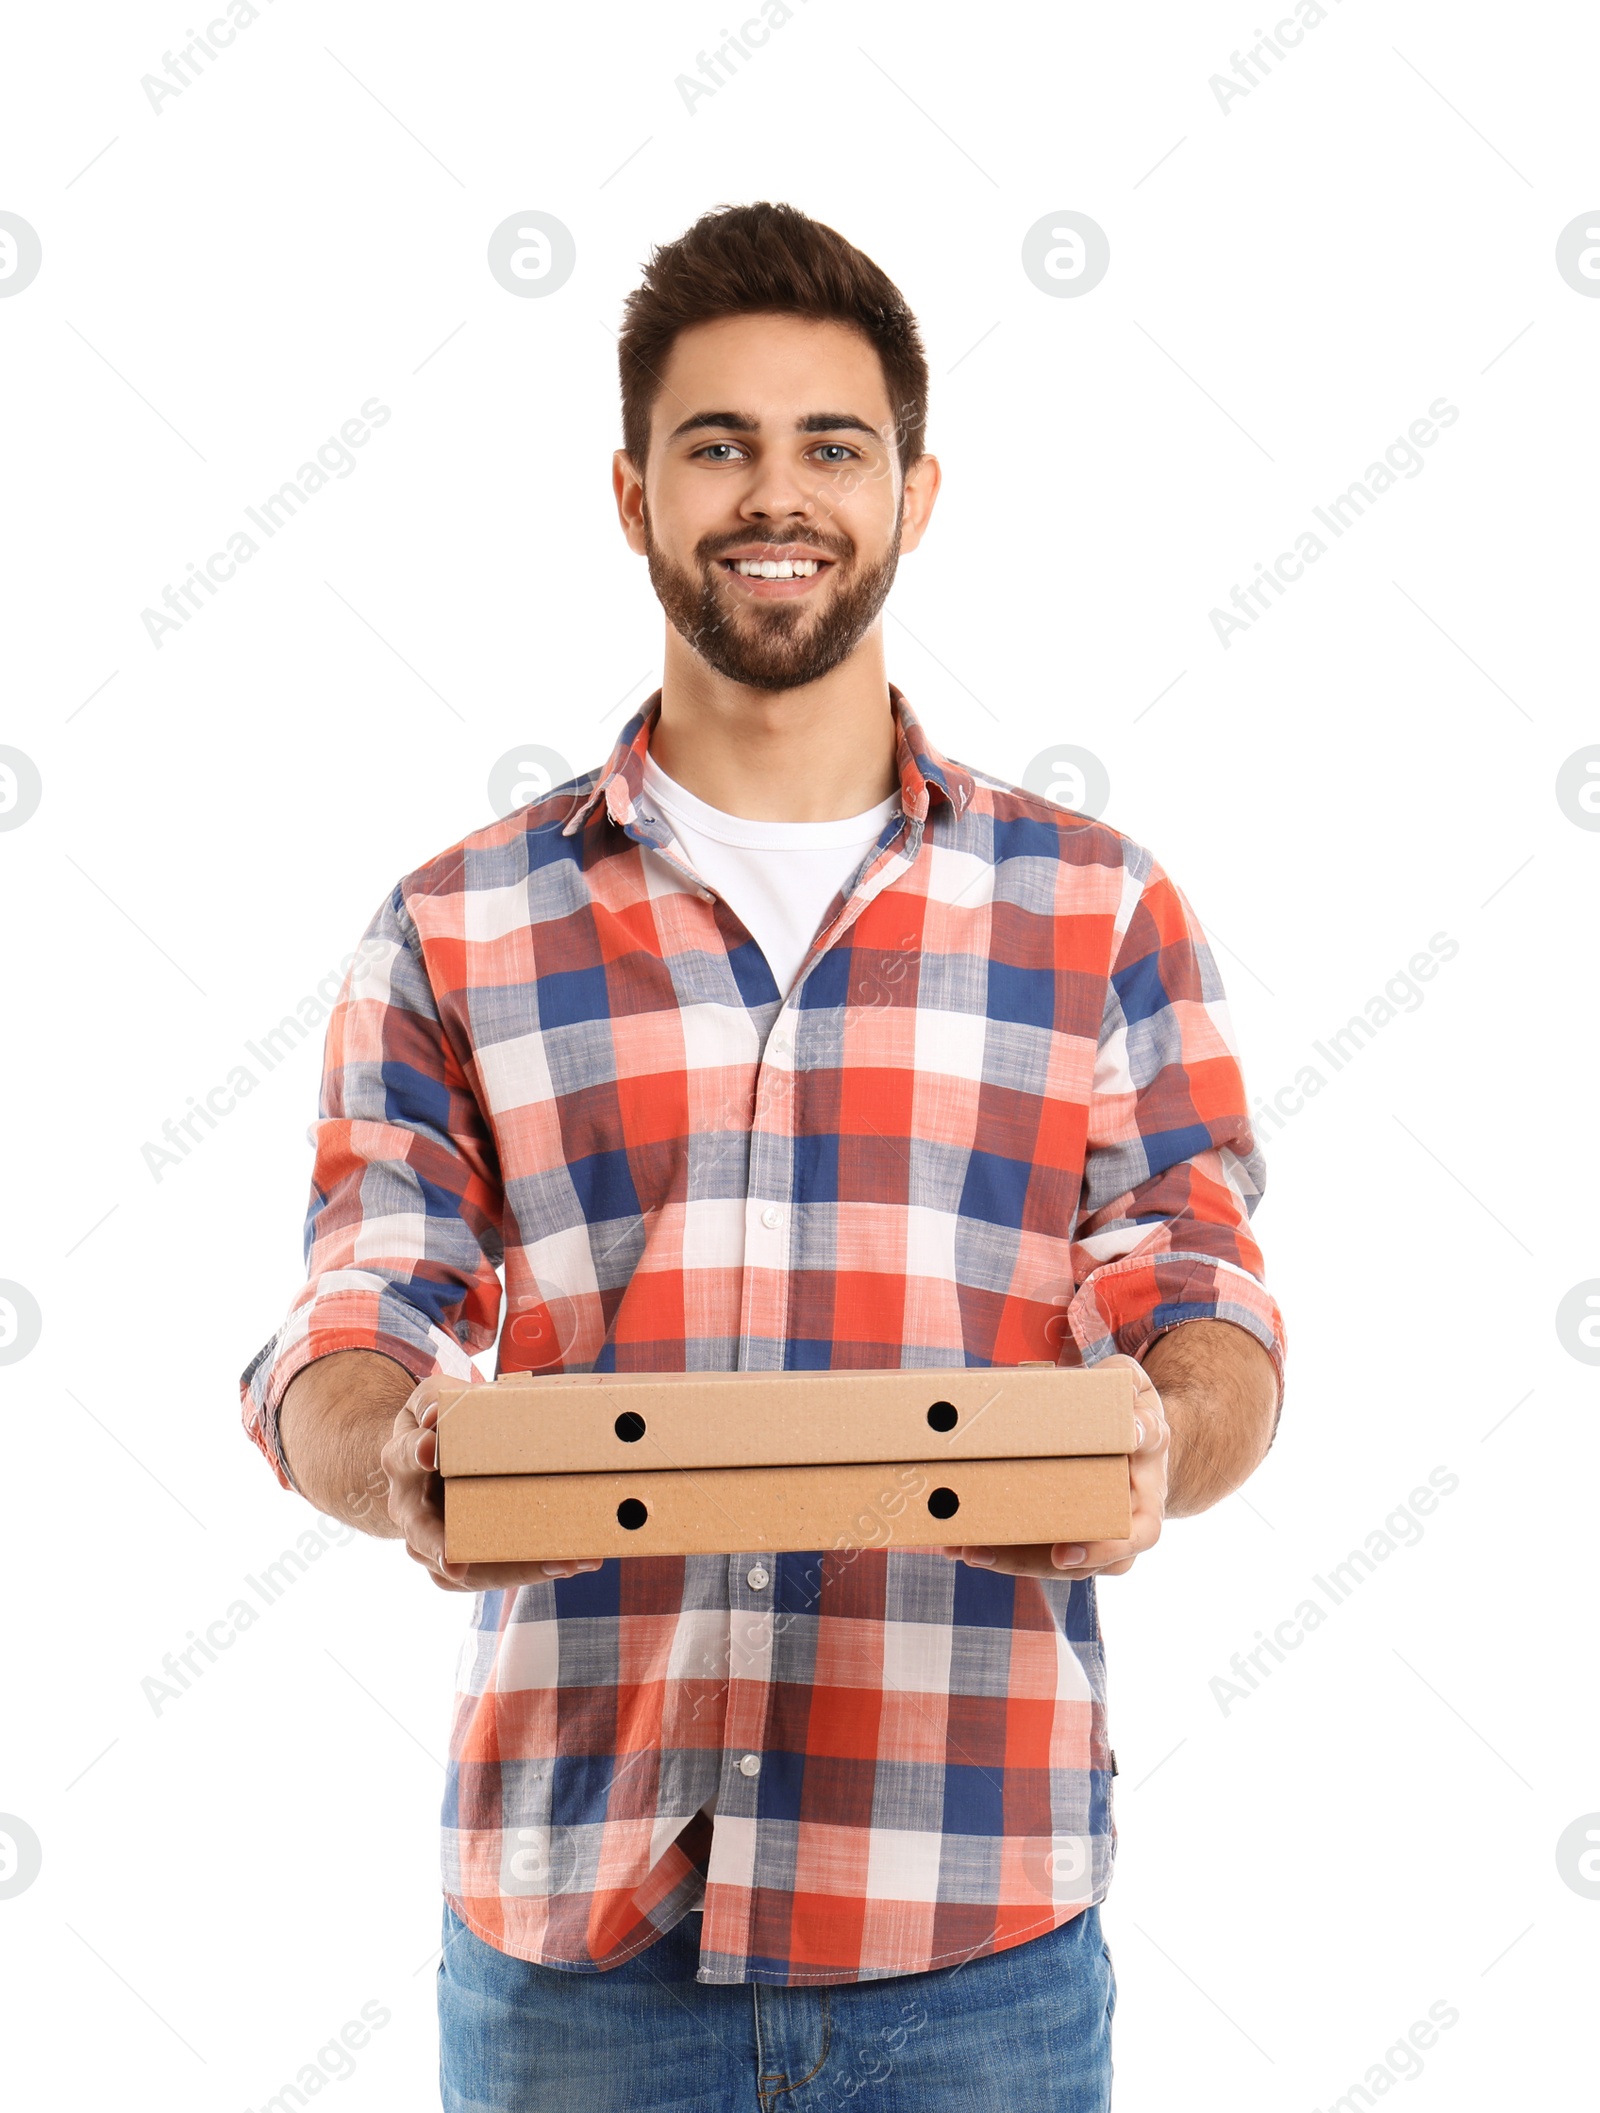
(1219, 1390)
(335, 1419)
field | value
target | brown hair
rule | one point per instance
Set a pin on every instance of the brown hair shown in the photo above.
(767, 260)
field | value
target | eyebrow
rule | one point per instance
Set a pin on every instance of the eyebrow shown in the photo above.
(742, 422)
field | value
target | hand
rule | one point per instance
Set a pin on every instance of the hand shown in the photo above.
(1147, 1473)
(416, 1504)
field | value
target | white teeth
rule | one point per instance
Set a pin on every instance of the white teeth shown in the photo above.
(775, 568)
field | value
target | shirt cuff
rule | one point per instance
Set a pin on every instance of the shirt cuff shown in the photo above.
(1122, 1307)
(341, 1320)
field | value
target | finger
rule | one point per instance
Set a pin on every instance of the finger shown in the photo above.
(421, 1406)
(1081, 1573)
(410, 1454)
(410, 1412)
(426, 1546)
(429, 1552)
(1097, 1555)
(1011, 1560)
(441, 1573)
(419, 1519)
(1027, 1562)
(511, 1577)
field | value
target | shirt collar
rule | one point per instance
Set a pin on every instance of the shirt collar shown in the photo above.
(923, 771)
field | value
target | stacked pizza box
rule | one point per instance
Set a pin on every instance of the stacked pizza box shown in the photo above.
(697, 1463)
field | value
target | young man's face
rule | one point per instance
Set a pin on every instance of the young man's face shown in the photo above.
(772, 441)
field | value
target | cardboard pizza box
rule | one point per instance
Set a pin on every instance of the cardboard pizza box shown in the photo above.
(634, 1422)
(727, 1510)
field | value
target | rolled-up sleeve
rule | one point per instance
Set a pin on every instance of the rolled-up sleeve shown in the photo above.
(403, 1233)
(1172, 1169)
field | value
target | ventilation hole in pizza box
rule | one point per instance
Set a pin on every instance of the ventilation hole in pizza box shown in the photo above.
(631, 1514)
(629, 1426)
(943, 1416)
(944, 1503)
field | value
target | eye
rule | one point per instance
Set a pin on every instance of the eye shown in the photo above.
(711, 449)
(840, 453)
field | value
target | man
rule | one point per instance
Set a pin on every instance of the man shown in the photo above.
(779, 1043)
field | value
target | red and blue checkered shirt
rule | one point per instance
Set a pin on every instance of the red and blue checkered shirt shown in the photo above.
(998, 1117)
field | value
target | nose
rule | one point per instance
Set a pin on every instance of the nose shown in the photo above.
(776, 492)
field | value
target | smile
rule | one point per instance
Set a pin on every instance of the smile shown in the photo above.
(776, 579)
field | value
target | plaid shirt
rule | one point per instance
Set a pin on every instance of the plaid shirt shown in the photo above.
(998, 1117)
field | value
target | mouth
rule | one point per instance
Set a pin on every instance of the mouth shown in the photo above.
(771, 576)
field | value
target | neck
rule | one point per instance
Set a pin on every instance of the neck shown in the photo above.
(814, 754)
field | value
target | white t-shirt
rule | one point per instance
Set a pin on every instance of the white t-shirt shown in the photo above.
(777, 877)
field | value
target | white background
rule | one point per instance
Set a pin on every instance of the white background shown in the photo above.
(1292, 283)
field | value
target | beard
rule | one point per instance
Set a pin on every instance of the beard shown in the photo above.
(770, 645)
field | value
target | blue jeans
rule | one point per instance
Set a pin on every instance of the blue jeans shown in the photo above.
(1028, 2028)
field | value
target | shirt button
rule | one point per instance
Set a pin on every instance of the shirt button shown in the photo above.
(770, 1216)
(757, 1579)
(750, 1765)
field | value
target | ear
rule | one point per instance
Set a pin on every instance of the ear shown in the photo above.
(921, 489)
(628, 486)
